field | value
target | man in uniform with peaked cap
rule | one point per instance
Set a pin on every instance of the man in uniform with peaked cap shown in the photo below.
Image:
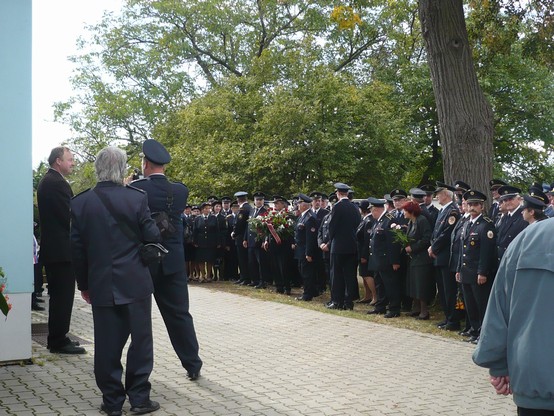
(477, 266)
(534, 205)
(343, 223)
(512, 222)
(428, 201)
(169, 276)
(439, 251)
(494, 184)
(240, 235)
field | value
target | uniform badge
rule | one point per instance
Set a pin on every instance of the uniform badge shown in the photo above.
(312, 229)
(451, 220)
(240, 216)
(472, 243)
(490, 234)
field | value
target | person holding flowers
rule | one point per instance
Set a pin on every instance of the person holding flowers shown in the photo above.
(421, 282)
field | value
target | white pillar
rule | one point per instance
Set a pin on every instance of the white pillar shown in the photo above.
(16, 189)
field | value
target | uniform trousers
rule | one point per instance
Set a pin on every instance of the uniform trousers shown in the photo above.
(307, 271)
(112, 327)
(449, 294)
(522, 411)
(344, 289)
(258, 265)
(172, 296)
(280, 257)
(392, 282)
(476, 298)
(242, 255)
(61, 288)
(230, 261)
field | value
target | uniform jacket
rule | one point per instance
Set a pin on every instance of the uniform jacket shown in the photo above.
(494, 211)
(305, 236)
(156, 189)
(54, 196)
(231, 220)
(106, 261)
(442, 233)
(434, 212)
(510, 226)
(456, 244)
(516, 336)
(323, 233)
(478, 254)
(383, 250)
(363, 236)
(206, 233)
(252, 242)
(241, 225)
(342, 227)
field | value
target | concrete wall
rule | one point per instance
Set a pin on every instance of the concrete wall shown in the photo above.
(16, 194)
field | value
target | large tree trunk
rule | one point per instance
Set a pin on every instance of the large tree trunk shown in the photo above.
(465, 116)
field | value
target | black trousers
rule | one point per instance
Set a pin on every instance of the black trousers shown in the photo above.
(172, 296)
(112, 327)
(231, 264)
(344, 289)
(280, 258)
(258, 265)
(307, 271)
(61, 288)
(449, 296)
(476, 298)
(242, 255)
(392, 282)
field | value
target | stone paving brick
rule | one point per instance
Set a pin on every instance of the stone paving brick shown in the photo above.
(263, 358)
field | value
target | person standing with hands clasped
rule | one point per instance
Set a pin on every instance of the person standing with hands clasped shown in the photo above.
(112, 277)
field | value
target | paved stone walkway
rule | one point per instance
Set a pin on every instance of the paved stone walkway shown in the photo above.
(265, 358)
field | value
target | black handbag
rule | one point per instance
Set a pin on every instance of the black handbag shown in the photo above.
(163, 218)
(149, 253)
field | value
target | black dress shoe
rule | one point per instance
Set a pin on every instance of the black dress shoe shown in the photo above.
(36, 307)
(465, 333)
(193, 375)
(334, 305)
(104, 408)
(413, 314)
(451, 327)
(260, 286)
(148, 407)
(68, 349)
(238, 282)
(305, 299)
(376, 312)
(441, 324)
(392, 314)
(348, 307)
(422, 317)
(472, 339)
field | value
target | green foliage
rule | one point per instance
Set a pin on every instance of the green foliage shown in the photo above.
(289, 95)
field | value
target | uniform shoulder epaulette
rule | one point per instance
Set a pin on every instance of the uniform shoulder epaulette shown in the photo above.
(139, 180)
(229, 216)
(389, 216)
(487, 219)
(136, 189)
(81, 193)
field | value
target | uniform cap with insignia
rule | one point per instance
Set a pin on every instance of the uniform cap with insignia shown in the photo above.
(442, 186)
(240, 193)
(211, 198)
(216, 202)
(225, 199)
(387, 198)
(474, 196)
(304, 198)
(155, 152)
(364, 204)
(376, 202)
(428, 189)
(398, 194)
(258, 195)
(205, 204)
(333, 197)
(508, 191)
(461, 186)
(417, 193)
(279, 198)
(188, 206)
(316, 194)
(496, 183)
(341, 187)
(234, 203)
(536, 199)
(194, 207)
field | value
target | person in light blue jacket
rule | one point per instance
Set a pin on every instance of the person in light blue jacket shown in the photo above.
(517, 336)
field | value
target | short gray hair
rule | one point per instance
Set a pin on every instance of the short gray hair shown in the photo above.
(111, 165)
(57, 153)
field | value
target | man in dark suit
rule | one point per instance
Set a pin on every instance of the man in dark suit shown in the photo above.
(258, 262)
(169, 276)
(53, 197)
(439, 251)
(230, 259)
(112, 277)
(428, 201)
(478, 262)
(305, 247)
(512, 222)
(385, 257)
(494, 209)
(240, 235)
(343, 248)
(319, 213)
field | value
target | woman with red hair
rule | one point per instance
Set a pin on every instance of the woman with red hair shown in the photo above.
(421, 283)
